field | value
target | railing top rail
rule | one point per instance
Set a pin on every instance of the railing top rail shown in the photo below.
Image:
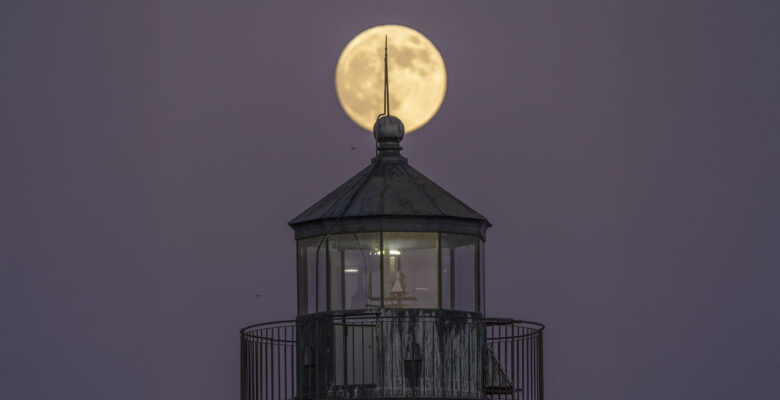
(266, 324)
(509, 321)
(364, 314)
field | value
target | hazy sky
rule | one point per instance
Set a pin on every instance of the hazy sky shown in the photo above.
(151, 154)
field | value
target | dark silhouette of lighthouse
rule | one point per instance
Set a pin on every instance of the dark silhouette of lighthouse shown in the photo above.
(391, 273)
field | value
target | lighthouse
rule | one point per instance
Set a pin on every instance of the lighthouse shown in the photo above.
(391, 298)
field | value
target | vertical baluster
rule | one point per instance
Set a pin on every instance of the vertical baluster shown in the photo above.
(541, 366)
(248, 365)
(511, 369)
(510, 356)
(536, 365)
(532, 344)
(256, 373)
(267, 349)
(280, 351)
(363, 355)
(260, 365)
(523, 364)
(253, 371)
(536, 370)
(243, 365)
(284, 358)
(531, 367)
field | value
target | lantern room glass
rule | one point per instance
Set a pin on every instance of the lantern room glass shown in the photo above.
(460, 274)
(354, 267)
(410, 270)
(369, 270)
(311, 276)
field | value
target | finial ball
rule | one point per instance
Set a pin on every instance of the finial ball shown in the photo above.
(388, 129)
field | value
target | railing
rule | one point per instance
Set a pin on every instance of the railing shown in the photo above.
(268, 361)
(516, 348)
(374, 355)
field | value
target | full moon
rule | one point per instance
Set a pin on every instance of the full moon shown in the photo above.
(416, 73)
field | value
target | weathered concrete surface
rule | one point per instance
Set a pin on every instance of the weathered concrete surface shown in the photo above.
(412, 354)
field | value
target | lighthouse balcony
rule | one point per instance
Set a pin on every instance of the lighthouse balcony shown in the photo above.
(392, 354)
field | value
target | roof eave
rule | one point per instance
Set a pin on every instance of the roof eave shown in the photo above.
(392, 223)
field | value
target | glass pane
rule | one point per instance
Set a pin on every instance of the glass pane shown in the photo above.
(459, 258)
(307, 275)
(303, 301)
(355, 262)
(410, 270)
(336, 267)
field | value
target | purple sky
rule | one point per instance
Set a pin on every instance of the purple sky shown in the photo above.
(151, 154)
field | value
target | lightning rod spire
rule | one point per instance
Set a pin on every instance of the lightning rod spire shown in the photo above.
(388, 130)
(387, 85)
